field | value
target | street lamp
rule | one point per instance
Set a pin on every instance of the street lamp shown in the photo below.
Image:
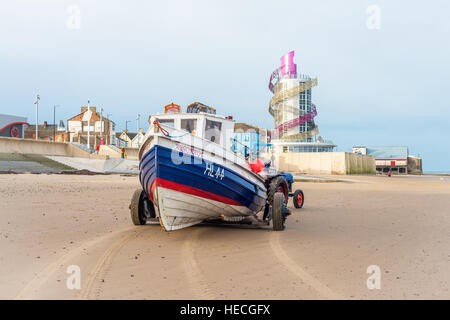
(54, 122)
(101, 125)
(138, 125)
(37, 111)
(88, 145)
(137, 119)
(108, 116)
(126, 130)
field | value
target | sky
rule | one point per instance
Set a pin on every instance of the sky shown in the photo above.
(383, 66)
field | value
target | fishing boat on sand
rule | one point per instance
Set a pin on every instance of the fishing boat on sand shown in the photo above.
(189, 175)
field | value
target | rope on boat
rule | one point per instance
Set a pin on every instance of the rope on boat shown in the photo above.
(165, 132)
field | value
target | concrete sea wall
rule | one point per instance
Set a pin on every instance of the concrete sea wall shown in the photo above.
(114, 152)
(325, 163)
(49, 148)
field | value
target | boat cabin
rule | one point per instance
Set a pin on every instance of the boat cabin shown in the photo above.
(199, 120)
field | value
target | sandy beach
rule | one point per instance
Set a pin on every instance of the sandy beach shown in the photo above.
(49, 222)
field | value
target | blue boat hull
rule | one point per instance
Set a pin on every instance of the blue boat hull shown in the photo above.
(200, 179)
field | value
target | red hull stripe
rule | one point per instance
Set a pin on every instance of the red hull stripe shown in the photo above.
(158, 182)
(152, 190)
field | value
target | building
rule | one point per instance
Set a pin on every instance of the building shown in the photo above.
(138, 139)
(291, 106)
(394, 158)
(414, 165)
(48, 132)
(118, 142)
(12, 126)
(127, 137)
(249, 140)
(101, 129)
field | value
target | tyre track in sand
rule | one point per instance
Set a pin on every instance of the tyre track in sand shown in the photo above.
(197, 280)
(93, 285)
(33, 287)
(293, 267)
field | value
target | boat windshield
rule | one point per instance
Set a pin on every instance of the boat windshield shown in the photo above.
(212, 131)
(189, 125)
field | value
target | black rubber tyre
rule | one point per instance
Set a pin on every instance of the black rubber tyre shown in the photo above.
(137, 208)
(278, 218)
(278, 184)
(298, 199)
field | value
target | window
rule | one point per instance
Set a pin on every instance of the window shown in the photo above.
(212, 131)
(303, 127)
(167, 122)
(189, 125)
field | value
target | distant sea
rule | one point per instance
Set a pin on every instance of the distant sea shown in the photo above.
(437, 172)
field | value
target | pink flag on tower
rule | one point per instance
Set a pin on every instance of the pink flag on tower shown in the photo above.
(288, 67)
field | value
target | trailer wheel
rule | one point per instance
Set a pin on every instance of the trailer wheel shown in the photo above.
(277, 184)
(137, 208)
(298, 199)
(278, 218)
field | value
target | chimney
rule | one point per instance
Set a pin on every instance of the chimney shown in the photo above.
(45, 124)
(85, 108)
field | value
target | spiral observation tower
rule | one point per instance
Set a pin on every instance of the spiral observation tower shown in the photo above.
(294, 114)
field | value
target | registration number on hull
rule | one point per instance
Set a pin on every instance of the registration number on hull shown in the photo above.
(212, 172)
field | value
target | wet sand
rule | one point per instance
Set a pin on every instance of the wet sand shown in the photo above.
(49, 222)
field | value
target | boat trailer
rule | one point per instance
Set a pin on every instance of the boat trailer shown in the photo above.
(279, 190)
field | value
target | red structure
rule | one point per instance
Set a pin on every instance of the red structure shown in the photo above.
(12, 126)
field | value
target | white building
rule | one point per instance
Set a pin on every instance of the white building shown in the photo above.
(293, 111)
(98, 126)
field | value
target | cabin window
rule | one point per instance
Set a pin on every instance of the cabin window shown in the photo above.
(212, 131)
(189, 125)
(167, 122)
